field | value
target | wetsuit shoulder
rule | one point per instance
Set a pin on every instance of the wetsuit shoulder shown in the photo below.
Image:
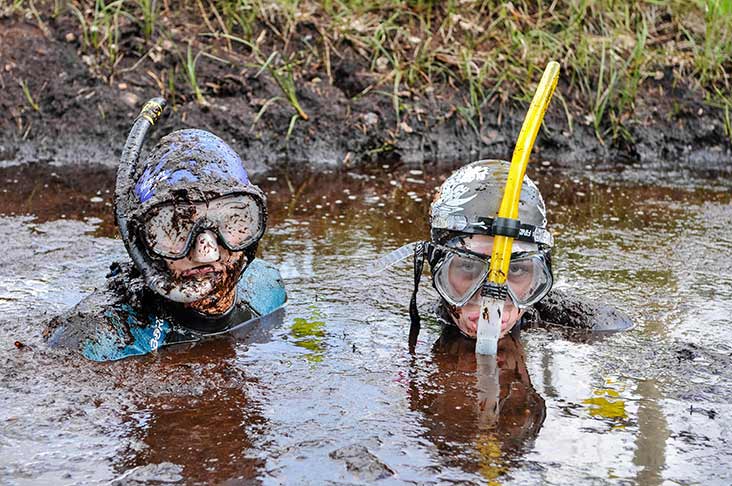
(261, 287)
(74, 326)
(571, 310)
(110, 324)
(121, 320)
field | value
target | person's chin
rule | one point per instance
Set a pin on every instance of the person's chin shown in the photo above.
(213, 278)
(187, 291)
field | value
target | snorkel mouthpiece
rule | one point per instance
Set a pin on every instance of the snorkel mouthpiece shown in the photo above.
(488, 334)
(495, 290)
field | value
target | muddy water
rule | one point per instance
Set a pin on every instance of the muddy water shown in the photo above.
(332, 395)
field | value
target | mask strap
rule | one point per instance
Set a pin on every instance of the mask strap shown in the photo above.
(413, 311)
(250, 253)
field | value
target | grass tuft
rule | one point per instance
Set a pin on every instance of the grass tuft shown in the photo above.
(190, 71)
(29, 98)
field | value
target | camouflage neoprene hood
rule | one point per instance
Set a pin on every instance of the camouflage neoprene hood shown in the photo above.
(469, 200)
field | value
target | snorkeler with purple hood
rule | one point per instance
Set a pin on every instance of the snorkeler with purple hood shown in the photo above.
(191, 221)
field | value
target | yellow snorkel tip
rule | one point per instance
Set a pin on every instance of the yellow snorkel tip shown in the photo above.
(506, 224)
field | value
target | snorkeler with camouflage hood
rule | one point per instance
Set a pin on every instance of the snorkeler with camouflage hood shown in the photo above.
(462, 230)
(191, 221)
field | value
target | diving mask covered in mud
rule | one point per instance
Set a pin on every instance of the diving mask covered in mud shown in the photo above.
(169, 229)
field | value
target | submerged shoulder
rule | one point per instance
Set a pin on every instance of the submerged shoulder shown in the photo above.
(108, 323)
(262, 287)
(100, 313)
(572, 310)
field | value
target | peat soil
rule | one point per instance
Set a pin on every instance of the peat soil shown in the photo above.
(57, 109)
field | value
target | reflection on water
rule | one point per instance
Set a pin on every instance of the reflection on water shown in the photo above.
(310, 335)
(650, 443)
(480, 412)
(332, 395)
(198, 430)
(608, 403)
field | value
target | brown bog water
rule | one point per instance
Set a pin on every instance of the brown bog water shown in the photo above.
(332, 396)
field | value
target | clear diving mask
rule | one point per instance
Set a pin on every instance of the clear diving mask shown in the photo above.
(458, 275)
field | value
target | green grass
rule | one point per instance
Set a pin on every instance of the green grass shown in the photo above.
(494, 50)
(190, 72)
(29, 98)
(100, 30)
(283, 73)
(149, 12)
(724, 102)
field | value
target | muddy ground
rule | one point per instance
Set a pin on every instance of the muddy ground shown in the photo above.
(80, 117)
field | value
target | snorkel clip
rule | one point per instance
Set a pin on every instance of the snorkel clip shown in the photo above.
(506, 227)
(152, 110)
(494, 291)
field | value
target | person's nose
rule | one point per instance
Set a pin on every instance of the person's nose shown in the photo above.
(206, 248)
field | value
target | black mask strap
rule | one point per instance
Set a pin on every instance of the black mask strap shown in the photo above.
(413, 311)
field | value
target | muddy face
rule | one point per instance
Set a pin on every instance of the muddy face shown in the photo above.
(208, 273)
(160, 202)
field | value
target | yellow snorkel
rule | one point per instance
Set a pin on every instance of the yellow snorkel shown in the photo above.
(506, 225)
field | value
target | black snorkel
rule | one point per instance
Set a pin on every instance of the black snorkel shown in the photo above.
(148, 117)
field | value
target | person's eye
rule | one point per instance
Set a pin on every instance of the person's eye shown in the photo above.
(518, 269)
(470, 269)
(465, 266)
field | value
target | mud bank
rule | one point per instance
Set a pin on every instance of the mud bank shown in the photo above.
(59, 111)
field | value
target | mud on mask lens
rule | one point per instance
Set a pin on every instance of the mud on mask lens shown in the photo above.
(237, 220)
(168, 228)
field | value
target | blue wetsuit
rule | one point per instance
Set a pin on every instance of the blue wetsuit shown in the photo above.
(127, 319)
